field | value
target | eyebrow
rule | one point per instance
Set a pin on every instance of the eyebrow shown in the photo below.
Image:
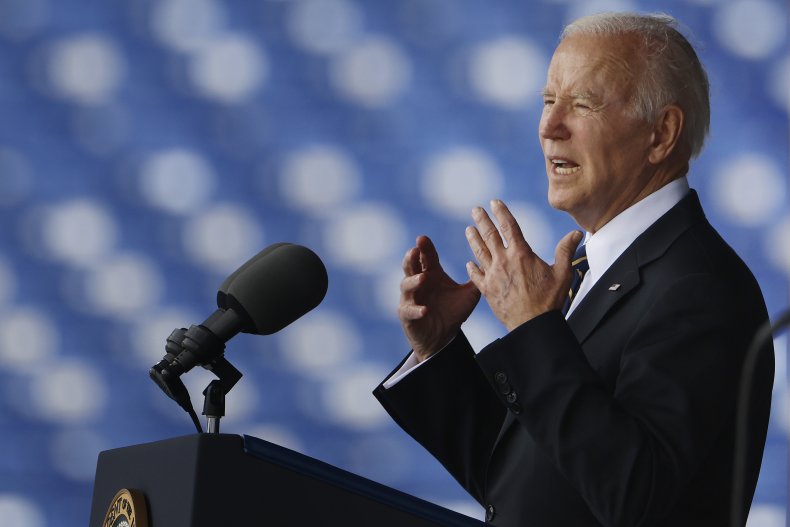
(575, 95)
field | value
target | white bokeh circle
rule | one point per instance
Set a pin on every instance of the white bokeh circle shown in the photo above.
(749, 189)
(752, 29)
(79, 232)
(341, 399)
(456, 180)
(319, 177)
(507, 72)
(179, 181)
(365, 236)
(324, 26)
(20, 511)
(222, 237)
(86, 69)
(68, 392)
(229, 69)
(320, 343)
(28, 338)
(122, 285)
(187, 25)
(372, 73)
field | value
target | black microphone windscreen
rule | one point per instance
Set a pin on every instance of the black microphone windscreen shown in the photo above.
(276, 287)
(222, 292)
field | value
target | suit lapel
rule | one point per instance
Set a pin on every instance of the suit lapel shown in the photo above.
(623, 275)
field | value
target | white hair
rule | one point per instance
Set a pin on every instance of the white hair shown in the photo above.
(672, 74)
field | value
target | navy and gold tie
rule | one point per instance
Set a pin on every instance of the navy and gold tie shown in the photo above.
(580, 267)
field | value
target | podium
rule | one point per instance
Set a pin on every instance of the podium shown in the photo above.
(225, 480)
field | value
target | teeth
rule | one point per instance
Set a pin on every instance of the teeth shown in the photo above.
(566, 171)
(560, 168)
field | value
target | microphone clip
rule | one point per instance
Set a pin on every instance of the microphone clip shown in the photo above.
(184, 350)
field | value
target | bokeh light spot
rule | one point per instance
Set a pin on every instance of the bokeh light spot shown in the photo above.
(372, 73)
(179, 181)
(230, 69)
(69, 392)
(507, 72)
(186, 25)
(28, 339)
(19, 511)
(324, 26)
(78, 232)
(752, 29)
(223, 237)
(365, 236)
(319, 177)
(749, 189)
(320, 343)
(86, 69)
(456, 180)
(122, 285)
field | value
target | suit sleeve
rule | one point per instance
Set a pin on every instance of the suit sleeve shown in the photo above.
(630, 452)
(449, 408)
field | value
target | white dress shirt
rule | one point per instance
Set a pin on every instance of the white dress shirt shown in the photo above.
(603, 247)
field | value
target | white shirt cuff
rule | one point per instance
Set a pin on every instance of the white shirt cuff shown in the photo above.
(409, 365)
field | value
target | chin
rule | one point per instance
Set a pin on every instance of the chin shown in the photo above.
(558, 201)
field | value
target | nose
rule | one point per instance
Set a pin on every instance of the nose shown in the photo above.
(552, 122)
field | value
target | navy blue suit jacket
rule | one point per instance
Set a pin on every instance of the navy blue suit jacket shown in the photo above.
(623, 415)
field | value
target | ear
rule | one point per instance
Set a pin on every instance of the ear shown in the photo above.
(666, 132)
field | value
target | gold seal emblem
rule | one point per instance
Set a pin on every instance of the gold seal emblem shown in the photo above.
(128, 509)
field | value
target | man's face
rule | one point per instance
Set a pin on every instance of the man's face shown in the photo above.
(595, 149)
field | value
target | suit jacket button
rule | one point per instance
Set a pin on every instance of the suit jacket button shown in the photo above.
(515, 408)
(511, 397)
(490, 513)
(500, 377)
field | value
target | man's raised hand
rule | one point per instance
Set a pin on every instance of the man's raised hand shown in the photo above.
(517, 284)
(432, 305)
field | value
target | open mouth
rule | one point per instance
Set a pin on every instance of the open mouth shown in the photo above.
(564, 167)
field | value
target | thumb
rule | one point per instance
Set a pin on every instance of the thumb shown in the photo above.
(563, 254)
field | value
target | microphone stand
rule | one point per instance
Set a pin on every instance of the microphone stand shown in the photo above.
(742, 414)
(215, 392)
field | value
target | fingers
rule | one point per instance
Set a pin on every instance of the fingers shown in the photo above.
(409, 312)
(486, 229)
(420, 258)
(566, 247)
(476, 275)
(478, 246)
(411, 262)
(429, 258)
(508, 226)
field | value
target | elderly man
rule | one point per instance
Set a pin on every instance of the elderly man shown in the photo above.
(617, 409)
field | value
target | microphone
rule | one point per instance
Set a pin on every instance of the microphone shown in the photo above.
(268, 292)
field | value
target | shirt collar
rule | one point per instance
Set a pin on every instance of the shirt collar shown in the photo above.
(611, 240)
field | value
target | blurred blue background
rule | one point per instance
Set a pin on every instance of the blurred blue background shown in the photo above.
(149, 147)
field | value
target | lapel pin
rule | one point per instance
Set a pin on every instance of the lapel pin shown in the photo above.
(614, 287)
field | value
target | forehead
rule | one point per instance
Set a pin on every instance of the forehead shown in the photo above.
(597, 64)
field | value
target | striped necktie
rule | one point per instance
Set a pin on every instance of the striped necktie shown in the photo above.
(580, 267)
